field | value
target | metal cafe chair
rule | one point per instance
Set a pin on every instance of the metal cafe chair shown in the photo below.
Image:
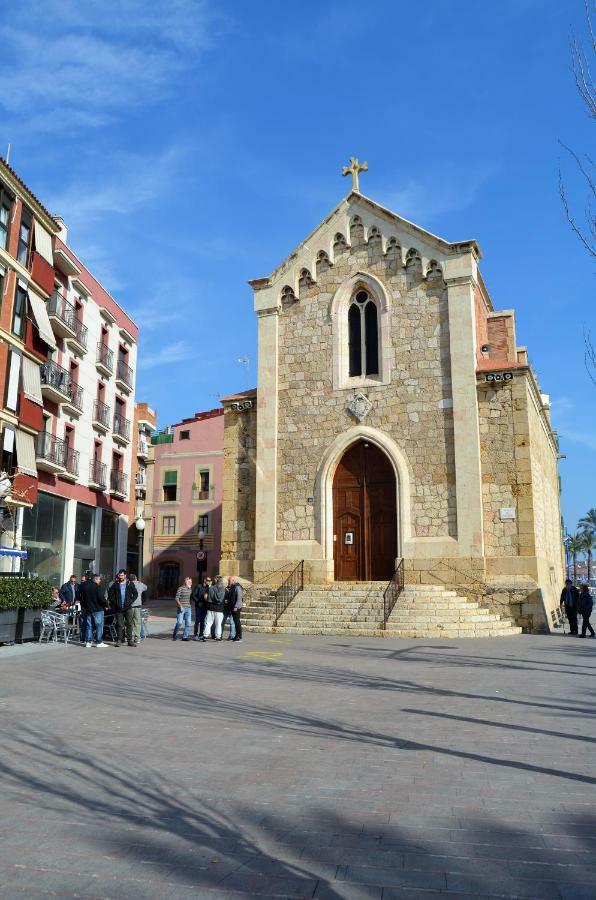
(54, 626)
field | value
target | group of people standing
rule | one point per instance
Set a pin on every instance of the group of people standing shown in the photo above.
(89, 596)
(215, 605)
(576, 602)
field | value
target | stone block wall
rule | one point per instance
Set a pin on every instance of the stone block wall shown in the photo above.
(414, 409)
(238, 507)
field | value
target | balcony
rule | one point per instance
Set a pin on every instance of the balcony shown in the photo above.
(121, 430)
(71, 464)
(101, 416)
(98, 475)
(143, 448)
(104, 360)
(124, 378)
(62, 315)
(78, 343)
(118, 483)
(140, 485)
(74, 404)
(50, 453)
(56, 383)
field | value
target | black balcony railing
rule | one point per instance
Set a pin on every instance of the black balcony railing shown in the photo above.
(124, 373)
(118, 482)
(75, 392)
(71, 461)
(81, 332)
(51, 448)
(141, 479)
(121, 427)
(57, 377)
(98, 473)
(105, 356)
(101, 413)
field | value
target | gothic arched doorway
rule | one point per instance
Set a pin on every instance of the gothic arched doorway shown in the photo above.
(364, 515)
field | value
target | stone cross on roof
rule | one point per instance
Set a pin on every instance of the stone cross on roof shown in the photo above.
(354, 169)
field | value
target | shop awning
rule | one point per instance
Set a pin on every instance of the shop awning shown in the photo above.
(40, 314)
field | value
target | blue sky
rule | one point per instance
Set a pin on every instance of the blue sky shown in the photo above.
(191, 145)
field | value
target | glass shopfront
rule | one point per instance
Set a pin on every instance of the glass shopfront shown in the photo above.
(44, 529)
(107, 555)
(84, 548)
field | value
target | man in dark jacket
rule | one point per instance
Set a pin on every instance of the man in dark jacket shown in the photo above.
(235, 594)
(215, 611)
(200, 596)
(93, 607)
(569, 599)
(122, 594)
(68, 591)
(585, 604)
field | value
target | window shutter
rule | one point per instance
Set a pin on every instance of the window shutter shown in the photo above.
(12, 395)
(26, 453)
(32, 381)
(43, 243)
(170, 477)
(40, 314)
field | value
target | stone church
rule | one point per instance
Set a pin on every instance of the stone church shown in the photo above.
(395, 418)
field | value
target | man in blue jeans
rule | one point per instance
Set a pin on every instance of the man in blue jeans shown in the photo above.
(183, 616)
(93, 605)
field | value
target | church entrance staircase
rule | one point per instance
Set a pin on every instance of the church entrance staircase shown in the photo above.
(356, 608)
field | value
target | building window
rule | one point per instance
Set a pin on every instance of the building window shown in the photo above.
(363, 335)
(185, 435)
(5, 208)
(168, 525)
(170, 486)
(203, 524)
(11, 399)
(24, 237)
(204, 485)
(19, 315)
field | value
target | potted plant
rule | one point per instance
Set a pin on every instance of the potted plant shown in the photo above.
(20, 600)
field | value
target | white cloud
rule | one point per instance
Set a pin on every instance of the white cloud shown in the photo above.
(565, 419)
(86, 62)
(171, 353)
(437, 193)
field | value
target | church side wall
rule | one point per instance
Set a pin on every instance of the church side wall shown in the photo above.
(238, 507)
(414, 409)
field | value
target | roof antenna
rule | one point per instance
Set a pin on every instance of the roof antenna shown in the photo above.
(7, 155)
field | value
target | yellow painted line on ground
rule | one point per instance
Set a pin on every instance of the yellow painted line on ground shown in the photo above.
(278, 641)
(257, 654)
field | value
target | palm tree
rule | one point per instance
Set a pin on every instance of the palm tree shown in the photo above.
(575, 543)
(587, 524)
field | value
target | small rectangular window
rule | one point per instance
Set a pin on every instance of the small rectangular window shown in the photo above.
(19, 313)
(185, 435)
(24, 237)
(5, 208)
(168, 525)
(170, 486)
(203, 524)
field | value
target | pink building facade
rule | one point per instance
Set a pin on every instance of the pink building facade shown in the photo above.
(183, 507)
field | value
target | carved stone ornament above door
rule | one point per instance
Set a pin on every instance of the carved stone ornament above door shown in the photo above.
(359, 406)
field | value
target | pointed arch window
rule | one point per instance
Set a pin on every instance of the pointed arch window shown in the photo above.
(363, 335)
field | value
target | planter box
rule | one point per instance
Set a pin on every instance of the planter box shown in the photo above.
(19, 625)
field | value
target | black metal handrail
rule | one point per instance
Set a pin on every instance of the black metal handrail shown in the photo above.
(124, 373)
(51, 448)
(118, 481)
(81, 331)
(55, 376)
(284, 595)
(101, 413)
(71, 462)
(59, 307)
(75, 393)
(105, 356)
(392, 591)
(121, 427)
(98, 473)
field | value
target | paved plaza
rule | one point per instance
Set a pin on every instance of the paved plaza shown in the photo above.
(300, 767)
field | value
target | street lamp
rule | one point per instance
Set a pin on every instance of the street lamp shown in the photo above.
(201, 555)
(140, 526)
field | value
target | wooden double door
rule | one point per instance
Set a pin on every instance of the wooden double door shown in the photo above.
(364, 515)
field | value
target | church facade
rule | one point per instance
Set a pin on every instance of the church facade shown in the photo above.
(395, 417)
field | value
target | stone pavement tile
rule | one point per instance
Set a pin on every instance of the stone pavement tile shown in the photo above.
(502, 886)
(264, 885)
(392, 876)
(576, 891)
(343, 891)
(390, 893)
(574, 871)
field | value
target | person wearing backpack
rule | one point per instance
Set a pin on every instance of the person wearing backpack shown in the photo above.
(235, 604)
(584, 607)
(215, 611)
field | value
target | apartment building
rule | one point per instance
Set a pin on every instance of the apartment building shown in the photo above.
(67, 365)
(144, 425)
(183, 503)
